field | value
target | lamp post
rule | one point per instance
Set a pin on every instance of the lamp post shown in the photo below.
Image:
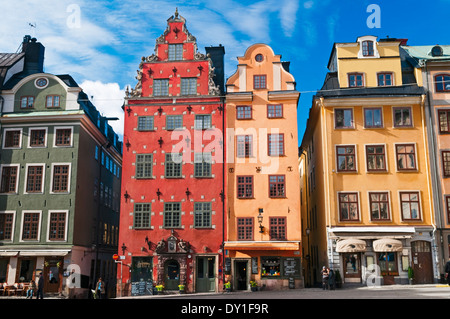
(260, 220)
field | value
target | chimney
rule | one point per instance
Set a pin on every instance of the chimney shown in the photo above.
(34, 55)
(217, 57)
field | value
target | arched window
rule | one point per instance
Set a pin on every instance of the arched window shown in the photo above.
(442, 82)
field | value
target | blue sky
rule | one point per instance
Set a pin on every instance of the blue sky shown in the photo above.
(100, 43)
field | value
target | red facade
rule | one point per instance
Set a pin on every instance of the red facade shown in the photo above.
(172, 212)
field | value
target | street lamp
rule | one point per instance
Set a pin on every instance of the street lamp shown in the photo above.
(260, 220)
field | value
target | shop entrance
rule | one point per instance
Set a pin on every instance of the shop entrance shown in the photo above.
(422, 264)
(206, 279)
(53, 274)
(172, 275)
(352, 267)
(240, 274)
(388, 267)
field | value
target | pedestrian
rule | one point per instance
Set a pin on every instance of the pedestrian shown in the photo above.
(31, 289)
(447, 271)
(325, 276)
(331, 279)
(100, 288)
(40, 287)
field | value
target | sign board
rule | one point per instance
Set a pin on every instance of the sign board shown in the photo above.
(227, 266)
(254, 265)
(291, 267)
(141, 288)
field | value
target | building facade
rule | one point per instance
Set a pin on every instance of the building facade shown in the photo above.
(434, 63)
(59, 198)
(172, 220)
(370, 211)
(263, 240)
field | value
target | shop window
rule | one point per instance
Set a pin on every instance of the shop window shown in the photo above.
(27, 266)
(352, 265)
(4, 262)
(388, 263)
(270, 266)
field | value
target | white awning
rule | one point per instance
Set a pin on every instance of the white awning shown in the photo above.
(351, 245)
(387, 244)
(44, 253)
(8, 253)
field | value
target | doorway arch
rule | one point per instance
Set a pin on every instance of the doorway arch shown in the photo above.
(171, 274)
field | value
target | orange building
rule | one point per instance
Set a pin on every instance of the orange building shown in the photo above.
(263, 209)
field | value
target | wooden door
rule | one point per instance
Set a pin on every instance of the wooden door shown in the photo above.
(352, 265)
(53, 274)
(172, 271)
(206, 274)
(422, 263)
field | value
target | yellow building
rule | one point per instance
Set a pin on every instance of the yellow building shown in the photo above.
(263, 230)
(370, 213)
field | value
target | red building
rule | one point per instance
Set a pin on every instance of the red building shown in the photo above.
(172, 209)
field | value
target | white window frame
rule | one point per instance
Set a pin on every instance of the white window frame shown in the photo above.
(62, 128)
(39, 226)
(415, 158)
(13, 212)
(68, 180)
(35, 129)
(26, 178)
(17, 178)
(400, 205)
(389, 205)
(66, 225)
(20, 139)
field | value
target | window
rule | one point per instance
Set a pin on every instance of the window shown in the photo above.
(402, 117)
(385, 79)
(188, 86)
(9, 179)
(245, 186)
(172, 215)
(202, 164)
(6, 226)
(175, 52)
(277, 186)
(346, 158)
(144, 165)
(406, 157)
(444, 121)
(446, 163)
(34, 179)
(63, 137)
(447, 206)
(245, 228)
(145, 123)
(52, 101)
(161, 87)
(174, 122)
(57, 227)
(173, 165)
(30, 226)
(37, 137)
(60, 181)
(142, 215)
(244, 145)
(376, 158)
(442, 82)
(243, 112)
(274, 111)
(356, 80)
(277, 228)
(270, 266)
(379, 206)
(348, 206)
(12, 138)
(259, 81)
(202, 215)
(410, 205)
(27, 102)
(343, 118)
(259, 57)
(275, 144)
(367, 48)
(373, 117)
(202, 122)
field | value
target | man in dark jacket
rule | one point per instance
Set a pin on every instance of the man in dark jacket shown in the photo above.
(40, 290)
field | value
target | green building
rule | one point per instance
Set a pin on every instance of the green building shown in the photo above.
(60, 166)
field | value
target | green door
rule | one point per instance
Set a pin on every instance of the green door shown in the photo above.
(172, 270)
(206, 274)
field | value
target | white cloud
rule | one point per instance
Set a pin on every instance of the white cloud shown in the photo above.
(288, 16)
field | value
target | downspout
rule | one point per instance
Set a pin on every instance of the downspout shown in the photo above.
(223, 190)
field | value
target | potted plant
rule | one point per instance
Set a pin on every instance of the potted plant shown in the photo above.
(181, 289)
(227, 286)
(338, 279)
(160, 289)
(410, 275)
(253, 286)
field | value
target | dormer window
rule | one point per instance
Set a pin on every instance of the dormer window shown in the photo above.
(367, 48)
(175, 52)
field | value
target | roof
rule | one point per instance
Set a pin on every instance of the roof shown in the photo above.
(7, 60)
(423, 52)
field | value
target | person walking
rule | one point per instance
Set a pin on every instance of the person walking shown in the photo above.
(31, 289)
(331, 279)
(100, 288)
(447, 271)
(40, 287)
(325, 275)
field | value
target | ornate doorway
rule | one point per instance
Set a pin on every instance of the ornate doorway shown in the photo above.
(172, 275)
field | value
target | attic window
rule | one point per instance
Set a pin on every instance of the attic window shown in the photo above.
(175, 52)
(437, 51)
(367, 48)
(259, 58)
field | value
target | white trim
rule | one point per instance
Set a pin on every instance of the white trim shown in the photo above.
(372, 229)
(359, 207)
(13, 225)
(389, 204)
(392, 79)
(39, 226)
(62, 128)
(35, 128)
(364, 117)
(17, 177)
(376, 54)
(20, 139)
(41, 87)
(393, 116)
(353, 118)
(337, 162)
(415, 158)
(400, 205)
(26, 178)
(66, 212)
(68, 179)
(386, 170)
